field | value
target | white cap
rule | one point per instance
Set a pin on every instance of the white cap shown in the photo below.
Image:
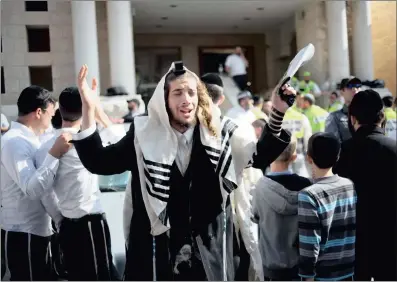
(244, 94)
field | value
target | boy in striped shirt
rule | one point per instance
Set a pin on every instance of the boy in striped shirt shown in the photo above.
(327, 216)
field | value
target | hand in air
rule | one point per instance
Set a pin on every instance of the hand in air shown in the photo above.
(88, 94)
(279, 103)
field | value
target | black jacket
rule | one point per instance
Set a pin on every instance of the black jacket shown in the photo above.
(121, 157)
(369, 160)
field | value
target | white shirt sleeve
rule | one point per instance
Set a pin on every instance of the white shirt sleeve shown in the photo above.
(49, 200)
(19, 164)
(4, 121)
(228, 61)
(85, 133)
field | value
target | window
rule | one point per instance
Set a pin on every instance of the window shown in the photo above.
(41, 76)
(38, 38)
(3, 88)
(36, 6)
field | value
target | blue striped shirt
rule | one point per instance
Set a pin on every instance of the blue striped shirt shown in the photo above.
(327, 229)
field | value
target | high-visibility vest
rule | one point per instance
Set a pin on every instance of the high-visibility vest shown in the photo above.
(293, 122)
(317, 117)
(335, 107)
(305, 88)
(391, 120)
(295, 83)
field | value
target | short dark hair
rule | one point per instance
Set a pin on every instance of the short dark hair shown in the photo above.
(56, 120)
(324, 149)
(257, 100)
(367, 107)
(32, 98)
(70, 105)
(259, 123)
(215, 92)
(387, 101)
(136, 101)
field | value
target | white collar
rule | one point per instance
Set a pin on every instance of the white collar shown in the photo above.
(71, 130)
(188, 134)
(26, 130)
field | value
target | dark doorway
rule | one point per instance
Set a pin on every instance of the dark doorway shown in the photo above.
(211, 58)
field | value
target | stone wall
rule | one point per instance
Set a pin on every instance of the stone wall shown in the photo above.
(15, 57)
(383, 15)
(311, 27)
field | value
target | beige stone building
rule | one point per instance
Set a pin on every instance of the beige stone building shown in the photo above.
(132, 43)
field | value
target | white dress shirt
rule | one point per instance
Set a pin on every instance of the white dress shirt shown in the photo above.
(239, 114)
(26, 197)
(77, 189)
(236, 64)
(47, 134)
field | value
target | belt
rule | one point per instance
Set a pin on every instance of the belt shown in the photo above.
(86, 218)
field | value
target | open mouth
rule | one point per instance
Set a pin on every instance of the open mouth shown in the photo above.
(186, 112)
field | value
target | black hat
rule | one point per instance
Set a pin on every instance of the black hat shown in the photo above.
(349, 81)
(367, 101)
(212, 78)
(32, 98)
(70, 100)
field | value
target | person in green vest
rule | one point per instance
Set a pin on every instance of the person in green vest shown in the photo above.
(309, 86)
(314, 113)
(334, 103)
(390, 116)
(299, 126)
(295, 83)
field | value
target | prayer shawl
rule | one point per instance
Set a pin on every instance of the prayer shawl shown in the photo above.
(156, 146)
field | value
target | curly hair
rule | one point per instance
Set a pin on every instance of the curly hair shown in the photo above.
(203, 112)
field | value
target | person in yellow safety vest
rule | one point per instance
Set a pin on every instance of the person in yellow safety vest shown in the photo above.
(314, 113)
(299, 126)
(391, 117)
(334, 103)
(295, 83)
(297, 106)
(309, 86)
(257, 108)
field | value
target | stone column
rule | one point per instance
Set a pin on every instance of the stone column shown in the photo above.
(85, 40)
(338, 51)
(363, 61)
(121, 45)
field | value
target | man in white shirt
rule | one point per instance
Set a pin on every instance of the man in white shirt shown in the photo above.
(242, 112)
(26, 197)
(236, 65)
(84, 234)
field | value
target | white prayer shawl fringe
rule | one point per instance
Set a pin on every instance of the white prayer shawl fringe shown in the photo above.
(156, 146)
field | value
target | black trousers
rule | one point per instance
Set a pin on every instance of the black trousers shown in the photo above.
(241, 81)
(27, 256)
(86, 247)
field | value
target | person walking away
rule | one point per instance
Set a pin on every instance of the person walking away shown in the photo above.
(308, 86)
(315, 114)
(84, 235)
(242, 112)
(327, 216)
(247, 230)
(337, 122)
(334, 103)
(369, 160)
(391, 117)
(275, 204)
(27, 202)
(236, 66)
(299, 126)
(178, 148)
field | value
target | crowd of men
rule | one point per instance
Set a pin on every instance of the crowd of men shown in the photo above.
(271, 193)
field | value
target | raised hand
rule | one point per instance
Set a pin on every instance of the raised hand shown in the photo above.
(88, 94)
(279, 103)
